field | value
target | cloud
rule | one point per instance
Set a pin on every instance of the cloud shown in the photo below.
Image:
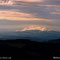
(14, 14)
(19, 16)
(34, 27)
(55, 13)
(31, 0)
(50, 5)
(41, 10)
(38, 12)
(9, 2)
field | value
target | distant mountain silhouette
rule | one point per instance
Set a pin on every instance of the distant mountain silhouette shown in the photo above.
(34, 35)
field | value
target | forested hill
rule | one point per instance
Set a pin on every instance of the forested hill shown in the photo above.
(30, 50)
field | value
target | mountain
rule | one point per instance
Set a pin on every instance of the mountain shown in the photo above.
(40, 36)
(34, 35)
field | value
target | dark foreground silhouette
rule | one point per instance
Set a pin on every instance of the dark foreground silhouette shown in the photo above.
(24, 49)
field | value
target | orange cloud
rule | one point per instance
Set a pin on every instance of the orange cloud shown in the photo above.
(31, 0)
(55, 13)
(50, 5)
(57, 9)
(24, 19)
(14, 14)
(19, 16)
(33, 27)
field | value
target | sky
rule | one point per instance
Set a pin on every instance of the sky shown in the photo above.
(28, 15)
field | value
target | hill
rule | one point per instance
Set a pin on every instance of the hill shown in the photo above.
(24, 49)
